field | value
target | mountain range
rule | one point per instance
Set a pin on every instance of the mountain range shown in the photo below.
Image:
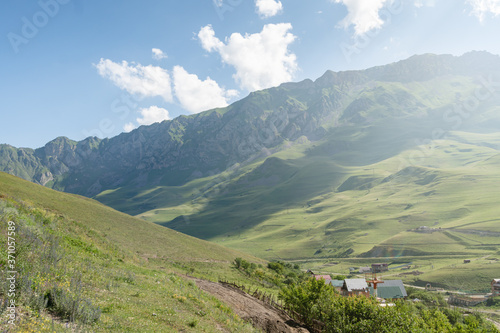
(379, 162)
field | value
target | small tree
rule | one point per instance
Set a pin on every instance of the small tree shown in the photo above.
(238, 262)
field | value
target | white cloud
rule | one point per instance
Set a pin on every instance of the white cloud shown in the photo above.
(268, 8)
(208, 40)
(482, 7)
(153, 114)
(158, 54)
(129, 127)
(144, 81)
(363, 14)
(261, 60)
(196, 95)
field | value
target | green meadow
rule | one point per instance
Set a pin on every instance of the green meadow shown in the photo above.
(301, 204)
(83, 266)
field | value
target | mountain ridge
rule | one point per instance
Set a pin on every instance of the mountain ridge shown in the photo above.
(190, 147)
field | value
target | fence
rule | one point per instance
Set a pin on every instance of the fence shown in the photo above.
(464, 301)
(278, 305)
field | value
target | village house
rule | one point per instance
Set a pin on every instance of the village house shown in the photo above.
(495, 287)
(319, 276)
(337, 284)
(364, 270)
(379, 268)
(324, 277)
(387, 289)
(390, 290)
(353, 287)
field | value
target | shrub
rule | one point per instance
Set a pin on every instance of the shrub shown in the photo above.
(276, 266)
(238, 262)
(317, 302)
(72, 307)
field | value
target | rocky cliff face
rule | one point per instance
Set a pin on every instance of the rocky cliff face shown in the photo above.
(188, 147)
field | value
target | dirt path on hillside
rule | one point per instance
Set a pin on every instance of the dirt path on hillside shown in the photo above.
(261, 315)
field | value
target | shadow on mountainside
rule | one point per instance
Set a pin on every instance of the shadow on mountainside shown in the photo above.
(279, 184)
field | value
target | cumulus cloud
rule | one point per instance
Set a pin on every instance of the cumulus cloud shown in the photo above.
(143, 81)
(481, 8)
(129, 127)
(158, 54)
(153, 114)
(362, 14)
(208, 40)
(268, 8)
(196, 95)
(261, 60)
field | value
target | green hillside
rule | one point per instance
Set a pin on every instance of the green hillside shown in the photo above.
(141, 240)
(86, 267)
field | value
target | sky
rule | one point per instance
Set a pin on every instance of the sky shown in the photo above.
(80, 68)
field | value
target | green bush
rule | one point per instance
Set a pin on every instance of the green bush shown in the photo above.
(493, 302)
(317, 302)
(427, 297)
(276, 266)
(69, 306)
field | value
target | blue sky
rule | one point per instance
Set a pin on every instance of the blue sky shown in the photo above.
(81, 68)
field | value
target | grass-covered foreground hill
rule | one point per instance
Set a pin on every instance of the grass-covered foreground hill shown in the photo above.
(82, 266)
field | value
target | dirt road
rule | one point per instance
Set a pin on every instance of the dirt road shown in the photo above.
(261, 315)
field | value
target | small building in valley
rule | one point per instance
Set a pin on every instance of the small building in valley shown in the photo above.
(495, 287)
(378, 268)
(364, 270)
(352, 287)
(390, 289)
(337, 284)
(324, 277)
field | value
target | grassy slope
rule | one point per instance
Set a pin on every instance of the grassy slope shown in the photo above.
(130, 233)
(128, 268)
